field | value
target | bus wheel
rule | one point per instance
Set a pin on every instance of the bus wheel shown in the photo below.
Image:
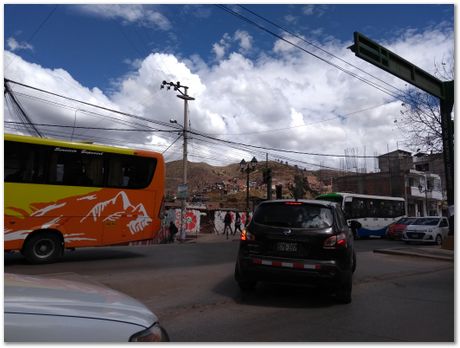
(43, 247)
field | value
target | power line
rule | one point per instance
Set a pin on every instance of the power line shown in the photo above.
(89, 104)
(274, 149)
(307, 124)
(20, 111)
(36, 31)
(172, 144)
(189, 131)
(362, 79)
(318, 47)
(93, 128)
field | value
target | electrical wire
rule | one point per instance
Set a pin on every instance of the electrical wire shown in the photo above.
(303, 125)
(89, 104)
(400, 97)
(94, 128)
(228, 142)
(318, 47)
(362, 79)
(35, 32)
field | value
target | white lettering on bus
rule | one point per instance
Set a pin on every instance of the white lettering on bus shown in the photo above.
(64, 150)
(91, 152)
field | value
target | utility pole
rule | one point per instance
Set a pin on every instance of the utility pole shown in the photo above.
(247, 167)
(268, 178)
(184, 96)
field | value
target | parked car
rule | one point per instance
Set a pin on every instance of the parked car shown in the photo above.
(396, 229)
(42, 309)
(431, 229)
(297, 242)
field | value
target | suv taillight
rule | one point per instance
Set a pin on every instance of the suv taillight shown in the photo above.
(336, 242)
(245, 235)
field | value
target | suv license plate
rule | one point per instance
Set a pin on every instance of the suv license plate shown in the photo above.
(291, 247)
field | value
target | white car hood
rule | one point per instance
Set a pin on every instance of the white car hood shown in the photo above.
(52, 296)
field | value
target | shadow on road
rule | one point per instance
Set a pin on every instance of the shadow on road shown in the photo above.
(275, 295)
(81, 255)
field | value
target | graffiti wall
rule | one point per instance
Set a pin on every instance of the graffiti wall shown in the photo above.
(193, 220)
(220, 216)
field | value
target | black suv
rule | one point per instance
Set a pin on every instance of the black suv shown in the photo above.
(297, 242)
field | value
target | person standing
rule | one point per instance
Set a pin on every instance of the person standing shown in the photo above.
(227, 223)
(237, 223)
(172, 232)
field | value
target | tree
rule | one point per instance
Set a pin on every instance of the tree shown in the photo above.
(420, 119)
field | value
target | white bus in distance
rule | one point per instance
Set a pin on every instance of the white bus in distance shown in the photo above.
(368, 215)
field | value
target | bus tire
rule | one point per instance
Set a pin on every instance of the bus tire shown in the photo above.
(43, 247)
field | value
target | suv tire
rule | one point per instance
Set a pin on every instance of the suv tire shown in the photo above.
(343, 291)
(244, 284)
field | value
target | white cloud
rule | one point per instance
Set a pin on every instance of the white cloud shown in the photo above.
(220, 48)
(138, 14)
(308, 10)
(246, 101)
(317, 10)
(240, 37)
(245, 40)
(219, 51)
(14, 45)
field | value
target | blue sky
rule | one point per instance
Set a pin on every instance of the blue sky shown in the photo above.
(103, 50)
(94, 49)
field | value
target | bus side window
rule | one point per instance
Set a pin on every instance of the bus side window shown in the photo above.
(24, 163)
(15, 159)
(76, 169)
(130, 171)
(348, 210)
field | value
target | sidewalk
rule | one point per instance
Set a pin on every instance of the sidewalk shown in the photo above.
(420, 251)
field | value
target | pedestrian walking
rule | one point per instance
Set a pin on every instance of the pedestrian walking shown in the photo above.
(172, 231)
(227, 222)
(237, 223)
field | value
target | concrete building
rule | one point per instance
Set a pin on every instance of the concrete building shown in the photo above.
(399, 177)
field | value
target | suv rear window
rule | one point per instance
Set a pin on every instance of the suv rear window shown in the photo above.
(294, 215)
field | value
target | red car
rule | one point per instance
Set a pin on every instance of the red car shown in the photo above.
(396, 229)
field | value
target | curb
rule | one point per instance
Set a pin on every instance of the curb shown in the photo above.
(414, 253)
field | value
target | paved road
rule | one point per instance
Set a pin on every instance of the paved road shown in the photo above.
(191, 288)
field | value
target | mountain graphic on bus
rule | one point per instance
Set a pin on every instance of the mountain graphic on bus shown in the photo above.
(82, 219)
(117, 207)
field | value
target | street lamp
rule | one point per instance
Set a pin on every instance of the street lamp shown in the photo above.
(248, 168)
(184, 96)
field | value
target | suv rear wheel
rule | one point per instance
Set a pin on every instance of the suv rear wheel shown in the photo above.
(244, 284)
(343, 291)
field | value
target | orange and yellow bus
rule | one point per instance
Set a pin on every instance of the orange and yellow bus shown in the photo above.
(62, 195)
